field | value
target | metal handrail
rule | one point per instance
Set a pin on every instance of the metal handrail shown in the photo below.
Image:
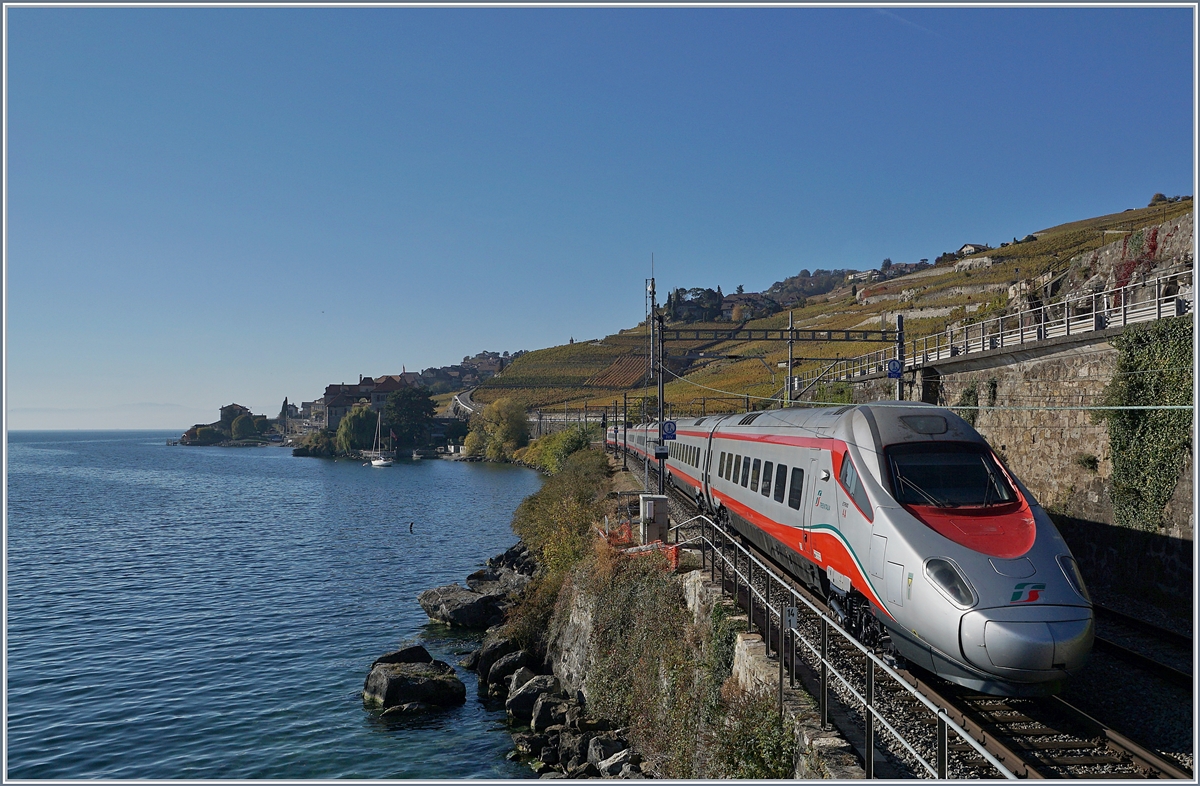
(943, 719)
(1108, 308)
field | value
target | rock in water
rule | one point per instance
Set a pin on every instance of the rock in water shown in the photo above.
(393, 684)
(413, 654)
(457, 605)
(506, 666)
(493, 649)
(520, 702)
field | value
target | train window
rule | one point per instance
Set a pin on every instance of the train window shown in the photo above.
(766, 483)
(745, 471)
(737, 468)
(754, 474)
(721, 466)
(797, 493)
(780, 481)
(947, 475)
(854, 487)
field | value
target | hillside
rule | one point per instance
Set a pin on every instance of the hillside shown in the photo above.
(603, 371)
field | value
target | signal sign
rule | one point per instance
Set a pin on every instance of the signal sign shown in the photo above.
(668, 429)
(893, 367)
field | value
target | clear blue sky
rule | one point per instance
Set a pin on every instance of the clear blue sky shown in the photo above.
(216, 205)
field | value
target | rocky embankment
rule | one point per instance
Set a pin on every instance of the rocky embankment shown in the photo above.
(549, 724)
(551, 728)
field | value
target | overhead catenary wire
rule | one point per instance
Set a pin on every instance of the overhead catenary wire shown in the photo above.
(1076, 408)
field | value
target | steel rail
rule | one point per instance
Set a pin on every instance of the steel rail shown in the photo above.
(770, 575)
(1146, 758)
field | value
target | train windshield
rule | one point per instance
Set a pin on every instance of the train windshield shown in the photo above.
(947, 475)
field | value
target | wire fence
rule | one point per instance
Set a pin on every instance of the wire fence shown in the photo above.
(778, 605)
(1169, 295)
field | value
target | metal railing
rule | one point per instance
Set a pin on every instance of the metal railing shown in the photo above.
(1165, 296)
(725, 558)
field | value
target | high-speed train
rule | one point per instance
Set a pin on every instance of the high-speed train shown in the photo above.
(905, 520)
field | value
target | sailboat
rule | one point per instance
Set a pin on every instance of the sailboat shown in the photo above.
(378, 459)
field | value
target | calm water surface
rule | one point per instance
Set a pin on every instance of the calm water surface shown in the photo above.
(179, 612)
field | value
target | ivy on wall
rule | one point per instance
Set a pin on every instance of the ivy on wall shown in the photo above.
(969, 398)
(1149, 447)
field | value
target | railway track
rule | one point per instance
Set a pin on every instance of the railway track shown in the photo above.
(1033, 738)
(1164, 653)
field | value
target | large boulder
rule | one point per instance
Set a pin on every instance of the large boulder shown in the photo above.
(613, 765)
(394, 684)
(506, 666)
(493, 649)
(462, 607)
(414, 654)
(573, 746)
(548, 710)
(498, 581)
(603, 746)
(521, 700)
(516, 558)
(519, 678)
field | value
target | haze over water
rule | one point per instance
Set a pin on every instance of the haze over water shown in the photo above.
(181, 612)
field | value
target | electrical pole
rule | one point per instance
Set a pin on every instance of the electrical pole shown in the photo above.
(656, 317)
(900, 356)
(791, 341)
(625, 435)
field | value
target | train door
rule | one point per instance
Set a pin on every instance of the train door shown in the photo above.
(810, 497)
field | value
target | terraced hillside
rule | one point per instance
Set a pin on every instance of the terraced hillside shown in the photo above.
(599, 372)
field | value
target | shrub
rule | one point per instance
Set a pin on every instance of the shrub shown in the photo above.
(969, 399)
(498, 431)
(243, 427)
(550, 453)
(208, 435)
(316, 443)
(753, 742)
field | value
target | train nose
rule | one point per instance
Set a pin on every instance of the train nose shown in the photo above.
(1028, 644)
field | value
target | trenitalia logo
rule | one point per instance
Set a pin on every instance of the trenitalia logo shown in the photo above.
(1027, 592)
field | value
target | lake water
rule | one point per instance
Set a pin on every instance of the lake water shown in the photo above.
(182, 612)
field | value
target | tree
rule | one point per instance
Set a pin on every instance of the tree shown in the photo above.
(886, 266)
(1158, 199)
(283, 410)
(316, 443)
(740, 290)
(243, 427)
(738, 313)
(854, 290)
(408, 413)
(357, 429)
(498, 431)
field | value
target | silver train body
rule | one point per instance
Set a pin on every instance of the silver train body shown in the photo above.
(903, 518)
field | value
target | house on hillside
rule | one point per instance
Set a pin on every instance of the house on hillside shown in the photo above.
(862, 277)
(972, 248)
(753, 305)
(341, 397)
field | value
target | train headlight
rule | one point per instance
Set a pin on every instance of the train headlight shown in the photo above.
(945, 575)
(1070, 569)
